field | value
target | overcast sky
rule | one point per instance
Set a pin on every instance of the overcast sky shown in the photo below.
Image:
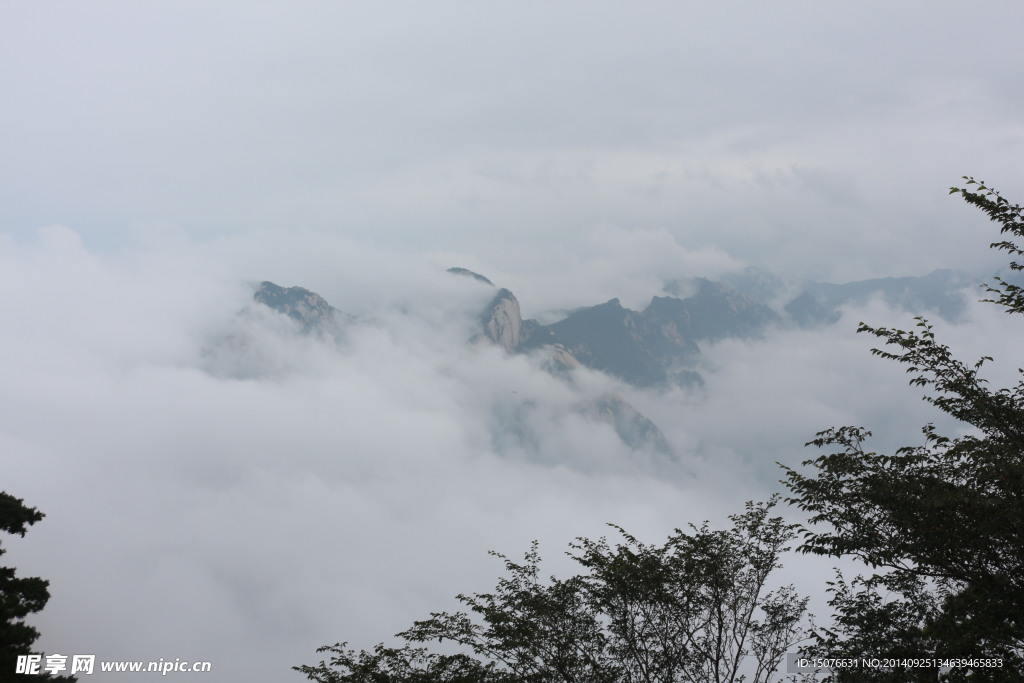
(811, 136)
(246, 503)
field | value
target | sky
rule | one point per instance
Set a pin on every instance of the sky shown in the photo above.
(217, 488)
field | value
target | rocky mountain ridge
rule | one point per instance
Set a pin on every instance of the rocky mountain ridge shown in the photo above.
(307, 308)
(659, 346)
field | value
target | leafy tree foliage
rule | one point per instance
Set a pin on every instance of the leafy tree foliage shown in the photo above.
(694, 609)
(940, 524)
(19, 597)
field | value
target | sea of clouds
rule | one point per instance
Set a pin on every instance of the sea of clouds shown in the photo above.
(218, 487)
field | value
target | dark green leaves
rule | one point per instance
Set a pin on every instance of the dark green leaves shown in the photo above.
(20, 597)
(695, 608)
(940, 524)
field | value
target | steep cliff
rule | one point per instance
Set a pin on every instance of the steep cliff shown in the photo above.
(309, 309)
(502, 321)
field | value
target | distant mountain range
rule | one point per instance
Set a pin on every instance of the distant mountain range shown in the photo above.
(307, 308)
(659, 346)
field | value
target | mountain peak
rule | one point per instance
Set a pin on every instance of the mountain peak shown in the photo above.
(465, 272)
(503, 323)
(308, 308)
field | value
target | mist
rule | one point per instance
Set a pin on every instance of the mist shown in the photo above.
(220, 487)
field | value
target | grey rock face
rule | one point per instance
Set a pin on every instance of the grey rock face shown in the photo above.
(611, 339)
(600, 327)
(502, 321)
(655, 346)
(469, 273)
(308, 308)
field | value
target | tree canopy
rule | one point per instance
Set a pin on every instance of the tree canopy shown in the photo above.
(19, 596)
(940, 524)
(696, 608)
(939, 527)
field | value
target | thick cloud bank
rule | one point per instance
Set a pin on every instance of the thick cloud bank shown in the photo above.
(219, 487)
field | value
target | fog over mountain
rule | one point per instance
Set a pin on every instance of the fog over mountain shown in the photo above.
(262, 416)
(222, 485)
(657, 347)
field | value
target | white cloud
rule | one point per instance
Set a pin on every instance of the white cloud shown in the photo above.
(439, 128)
(573, 157)
(247, 506)
(246, 520)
